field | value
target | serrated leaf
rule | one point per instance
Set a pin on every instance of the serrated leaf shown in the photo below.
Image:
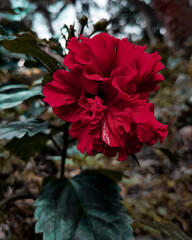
(27, 44)
(85, 207)
(170, 229)
(20, 128)
(26, 147)
(9, 100)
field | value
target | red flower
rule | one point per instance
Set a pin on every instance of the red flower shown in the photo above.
(105, 95)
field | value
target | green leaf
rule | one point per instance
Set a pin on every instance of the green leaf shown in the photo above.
(87, 206)
(5, 35)
(116, 176)
(168, 228)
(135, 158)
(48, 46)
(12, 87)
(172, 157)
(26, 147)
(9, 100)
(28, 44)
(20, 128)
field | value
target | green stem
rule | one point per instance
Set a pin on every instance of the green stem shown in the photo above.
(91, 33)
(18, 196)
(82, 30)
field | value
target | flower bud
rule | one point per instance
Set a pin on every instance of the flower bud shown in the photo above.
(100, 25)
(83, 20)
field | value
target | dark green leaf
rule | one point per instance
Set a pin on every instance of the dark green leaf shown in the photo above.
(10, 100)
(31, 64)
(20, 128)
(135, 158)
(27, 43)
(87, 207)
(172, 157)
(8, 10)
(116, 176)
(47, 48)
(170, 229)
(5, 35)
(26, 147)
(11, 87)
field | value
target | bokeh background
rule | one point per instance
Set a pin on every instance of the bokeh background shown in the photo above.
(161, 188)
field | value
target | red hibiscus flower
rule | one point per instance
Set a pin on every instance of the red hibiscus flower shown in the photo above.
(105, 95)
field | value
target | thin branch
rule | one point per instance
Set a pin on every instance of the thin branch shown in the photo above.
(18, 196)
(61, 10)
(93, 32)
(55, 143)
(148, 15)
(82, 29)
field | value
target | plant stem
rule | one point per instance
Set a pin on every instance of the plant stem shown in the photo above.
(18, 196)
(91, 33)
(65, 146)
(82, 30)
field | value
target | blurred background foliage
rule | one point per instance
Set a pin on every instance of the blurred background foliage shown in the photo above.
(161, 188)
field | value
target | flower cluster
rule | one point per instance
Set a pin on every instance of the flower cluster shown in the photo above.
(105, 95)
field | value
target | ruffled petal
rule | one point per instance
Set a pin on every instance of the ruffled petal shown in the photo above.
(60, 91)
(86, 134)
(70, 113)
(133, 145)
(124, 80)
(150, 132)
(148, 65)
(124, 53)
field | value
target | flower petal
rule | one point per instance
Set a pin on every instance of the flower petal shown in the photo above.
(60, 90)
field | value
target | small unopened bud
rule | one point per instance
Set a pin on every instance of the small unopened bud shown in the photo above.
(71, 31)
(83, 20)
(100, 25)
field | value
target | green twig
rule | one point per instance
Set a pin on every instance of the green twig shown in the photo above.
(55, 143)
(82, 30)
(18, 196)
